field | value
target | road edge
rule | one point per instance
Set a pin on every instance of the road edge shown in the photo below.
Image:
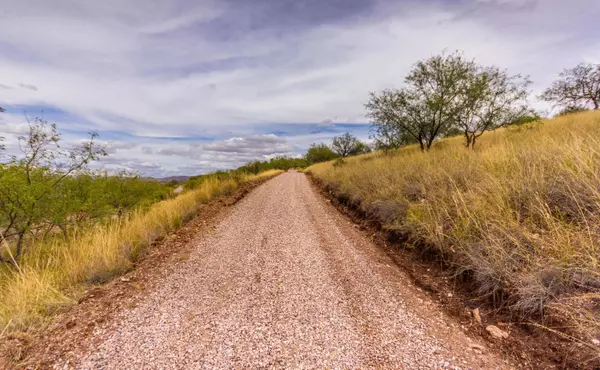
(531, 348)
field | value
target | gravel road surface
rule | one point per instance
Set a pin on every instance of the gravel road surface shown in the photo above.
(285, 281)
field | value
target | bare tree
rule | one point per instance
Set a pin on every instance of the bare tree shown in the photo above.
(491, 99)
(577, 87)
(426, 108)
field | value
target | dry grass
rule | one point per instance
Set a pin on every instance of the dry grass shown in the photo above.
(521, 213)
(54, 274)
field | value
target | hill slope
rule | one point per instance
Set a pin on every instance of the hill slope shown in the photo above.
(520, 215)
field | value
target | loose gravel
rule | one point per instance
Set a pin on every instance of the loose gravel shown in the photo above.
(285, 281)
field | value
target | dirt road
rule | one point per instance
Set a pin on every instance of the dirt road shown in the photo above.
(285, 281)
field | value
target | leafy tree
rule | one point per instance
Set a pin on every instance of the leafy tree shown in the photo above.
(319, 153)
(426, 108)
(577, 87)
(491, 99)
(31, 201)
(346, 144)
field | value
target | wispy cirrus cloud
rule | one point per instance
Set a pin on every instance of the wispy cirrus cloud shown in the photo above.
(167, 73)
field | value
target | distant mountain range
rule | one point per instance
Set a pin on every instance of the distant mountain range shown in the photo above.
(171, 178)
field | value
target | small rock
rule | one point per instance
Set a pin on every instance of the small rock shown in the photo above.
(496, 332)
(125, 280)
(477, 315)
(450, 295)
(596, 342)
(477, 347)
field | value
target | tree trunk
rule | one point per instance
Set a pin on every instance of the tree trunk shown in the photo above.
(12, 260)
(468, 139)
(19, 248)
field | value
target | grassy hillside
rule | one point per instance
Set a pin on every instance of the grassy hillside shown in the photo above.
(521, 213)
(53, 273)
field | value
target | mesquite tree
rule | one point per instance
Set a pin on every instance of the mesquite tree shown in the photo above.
(425, 109)
(30, 184)
(346, 144)
(576, 87)
(320, 153)
(445, 95)
(491, 99)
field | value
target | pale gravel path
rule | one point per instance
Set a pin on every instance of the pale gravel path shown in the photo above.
(285, 282)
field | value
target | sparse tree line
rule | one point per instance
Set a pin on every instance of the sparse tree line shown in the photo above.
(276, 163)
(449, 94)
(341, 146)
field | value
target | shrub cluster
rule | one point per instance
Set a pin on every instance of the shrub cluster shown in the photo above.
(47, 191)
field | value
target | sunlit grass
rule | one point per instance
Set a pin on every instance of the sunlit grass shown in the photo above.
(54, 274)
(521, 212)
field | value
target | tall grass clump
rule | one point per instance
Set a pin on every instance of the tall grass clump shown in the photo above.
(54, 272)
(520, 213)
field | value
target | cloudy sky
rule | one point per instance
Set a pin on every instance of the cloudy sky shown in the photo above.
(185, 87)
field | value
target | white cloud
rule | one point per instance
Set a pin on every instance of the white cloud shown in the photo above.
(92, 62)
(160, 158)
(253, 145)
(169, 68)
(114, 147)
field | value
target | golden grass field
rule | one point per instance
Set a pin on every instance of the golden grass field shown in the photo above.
(54, 274)
(520, 213)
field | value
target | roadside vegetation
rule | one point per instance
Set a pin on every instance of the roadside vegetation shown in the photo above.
(276, 163)
(521, 215)
(64, 227)
(512, 202)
